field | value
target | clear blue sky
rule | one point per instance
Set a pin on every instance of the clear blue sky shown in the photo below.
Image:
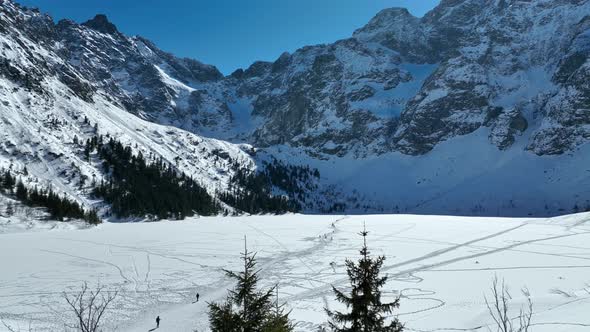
(231, 34)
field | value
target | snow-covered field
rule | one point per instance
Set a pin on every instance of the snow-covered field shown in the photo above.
(441, 267)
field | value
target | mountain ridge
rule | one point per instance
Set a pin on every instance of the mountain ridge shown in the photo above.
(506, 76)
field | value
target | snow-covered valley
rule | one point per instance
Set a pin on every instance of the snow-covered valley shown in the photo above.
(440, 266)
(479, 108)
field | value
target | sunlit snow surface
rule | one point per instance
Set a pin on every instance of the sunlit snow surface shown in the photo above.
(441, 267)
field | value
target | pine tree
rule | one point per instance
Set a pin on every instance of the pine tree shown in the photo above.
(87, 151)
(251, 306)
(223, 318)
(367, 312)
(8, 181)
(92, 217)
(21, 191)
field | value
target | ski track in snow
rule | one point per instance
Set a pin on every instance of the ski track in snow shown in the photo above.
(441, 267)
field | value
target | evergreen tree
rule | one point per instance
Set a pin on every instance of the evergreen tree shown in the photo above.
(223, 318)
(87, 151)
(92, 217)
(8, 181)
(21, 191)
(367, 312)
(251, 305)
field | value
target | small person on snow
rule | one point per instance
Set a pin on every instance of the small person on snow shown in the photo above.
(197, 297)
(158, 322)
(333, 266)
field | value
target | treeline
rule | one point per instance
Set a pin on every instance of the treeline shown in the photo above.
(291, 178)
(252, 191)
(140, 187)
(59, 208)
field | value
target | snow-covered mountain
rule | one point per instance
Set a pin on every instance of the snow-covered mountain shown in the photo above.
(50, 107)
(406, 84)
(479, 107)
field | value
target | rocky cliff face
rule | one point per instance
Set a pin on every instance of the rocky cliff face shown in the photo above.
(400, 83)
(407, 84)
(503, 73)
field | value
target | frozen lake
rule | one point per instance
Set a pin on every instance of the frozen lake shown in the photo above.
(440, 266)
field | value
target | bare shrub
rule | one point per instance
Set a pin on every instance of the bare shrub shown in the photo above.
(498, 308)
(89, 306)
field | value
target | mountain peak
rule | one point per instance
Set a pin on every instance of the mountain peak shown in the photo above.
(101, 23)
(394, 12)
(387, 20)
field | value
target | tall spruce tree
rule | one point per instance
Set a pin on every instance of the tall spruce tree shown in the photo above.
(367, 312)
(8, 181)
(246, 308)
(21, 191)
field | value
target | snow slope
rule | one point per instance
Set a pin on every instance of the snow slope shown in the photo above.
(462, 176)
(39, 132)
(441, 267)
